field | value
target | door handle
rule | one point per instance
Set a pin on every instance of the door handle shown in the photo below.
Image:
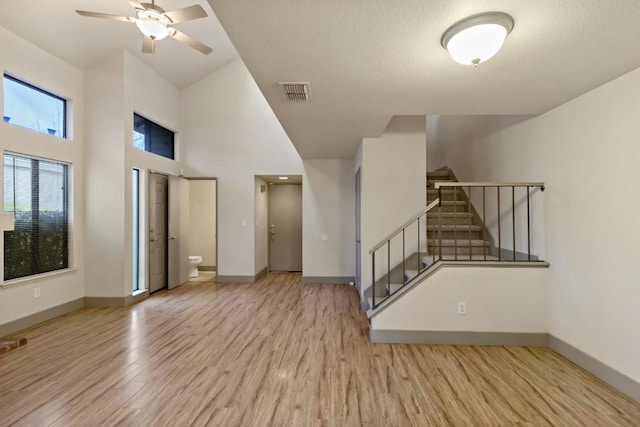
(153, 240)
(172, 238)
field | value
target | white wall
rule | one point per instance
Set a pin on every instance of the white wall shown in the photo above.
(202, 220)
(118, 86)
(393, 182)
(27, 62)
(497, 300)
(261, 245)
(586, 151)
(328, 204)
(231, 133)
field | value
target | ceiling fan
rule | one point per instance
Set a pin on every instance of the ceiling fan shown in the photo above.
(157, 24)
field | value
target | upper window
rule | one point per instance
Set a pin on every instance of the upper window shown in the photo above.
(152, 137)
(31, 107)
(36, 191)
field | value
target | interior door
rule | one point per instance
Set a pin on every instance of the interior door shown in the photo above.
(158, 225)
(285, 227)
(358, 244)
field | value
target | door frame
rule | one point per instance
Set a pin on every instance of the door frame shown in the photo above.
(358, 215)
(211, 178)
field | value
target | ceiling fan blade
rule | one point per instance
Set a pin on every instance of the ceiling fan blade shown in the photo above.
(148, 45)
(136, 4)
(105, 16)
(182, 37)
(186, 14)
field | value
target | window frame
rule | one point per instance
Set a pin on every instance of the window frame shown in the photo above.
(45, 92)
(148, 142)
(66, 213)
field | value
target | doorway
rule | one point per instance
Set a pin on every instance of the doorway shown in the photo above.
(358, 243)
(285, 227)
(203, 230)
(158, 229)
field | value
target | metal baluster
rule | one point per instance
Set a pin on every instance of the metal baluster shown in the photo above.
(469, 230)
(455, 231)
(528, 228)
(439, 224)
(373, 278)
(403, 259)
(418, 245)
(499, 231)
(513, 216)
(484, 226)
(388, 267)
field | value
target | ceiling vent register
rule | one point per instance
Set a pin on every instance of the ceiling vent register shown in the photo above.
(296, 91)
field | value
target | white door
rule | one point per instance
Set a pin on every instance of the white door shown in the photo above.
(285, 227)
(158, 225)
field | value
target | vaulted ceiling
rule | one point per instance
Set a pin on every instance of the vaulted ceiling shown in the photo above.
(367, 60)
(55, 27)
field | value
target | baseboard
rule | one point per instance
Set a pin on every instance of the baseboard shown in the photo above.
(207, 268)
(606, 373)
(105, 301)
(235, 279)
(42, 316)
(261, 273)
(331, 280)
(459, 338)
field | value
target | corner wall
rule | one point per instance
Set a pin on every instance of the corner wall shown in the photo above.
(34, 65)
(394, 169)
(586, 151)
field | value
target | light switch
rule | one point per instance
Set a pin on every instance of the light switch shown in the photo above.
(324, 237)
(243, 223)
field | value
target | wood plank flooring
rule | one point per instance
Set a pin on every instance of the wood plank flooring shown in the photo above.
(277, 353)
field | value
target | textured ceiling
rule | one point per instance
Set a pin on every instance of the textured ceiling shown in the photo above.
(55, 27)
(368, 60)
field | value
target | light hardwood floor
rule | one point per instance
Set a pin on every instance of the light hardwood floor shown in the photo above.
(283, 354)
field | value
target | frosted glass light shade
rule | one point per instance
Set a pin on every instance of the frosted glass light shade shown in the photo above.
(152, 28)
(476, 39)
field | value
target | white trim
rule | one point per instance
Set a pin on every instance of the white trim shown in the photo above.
(36, 277)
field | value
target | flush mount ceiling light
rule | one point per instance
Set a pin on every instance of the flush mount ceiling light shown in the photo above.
(477, 38)
(283, 177)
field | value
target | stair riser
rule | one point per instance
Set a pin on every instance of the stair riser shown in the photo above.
(432, 195)
(452, 208)
(451, 235)
(450, 250)
(459, 220)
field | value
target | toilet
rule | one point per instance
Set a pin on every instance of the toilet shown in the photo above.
(194, 262)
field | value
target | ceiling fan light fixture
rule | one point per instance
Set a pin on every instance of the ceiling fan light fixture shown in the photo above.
(153, 24)
(477, 38)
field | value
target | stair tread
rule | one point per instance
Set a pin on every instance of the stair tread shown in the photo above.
(460, 242)
(451, 227)
(460, 257)
(437, 213)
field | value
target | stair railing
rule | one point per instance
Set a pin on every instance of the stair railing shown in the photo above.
(517, 207)
(477, 194)
(386, 243)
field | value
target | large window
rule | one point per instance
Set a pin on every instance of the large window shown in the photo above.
(36, 191)
(151, 137)
(135, 191)
(31, 107)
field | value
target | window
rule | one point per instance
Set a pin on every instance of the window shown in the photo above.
(135, 191)
(151, 137)
(36, 191)
(33, 108)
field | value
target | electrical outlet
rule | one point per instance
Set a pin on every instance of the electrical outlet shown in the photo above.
(462, 308)
(36, 293)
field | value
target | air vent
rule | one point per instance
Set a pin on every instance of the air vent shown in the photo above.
(296, 91)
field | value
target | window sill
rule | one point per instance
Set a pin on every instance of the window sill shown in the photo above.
(36, 277)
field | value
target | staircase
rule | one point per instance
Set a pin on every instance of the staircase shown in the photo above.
(461, 235)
